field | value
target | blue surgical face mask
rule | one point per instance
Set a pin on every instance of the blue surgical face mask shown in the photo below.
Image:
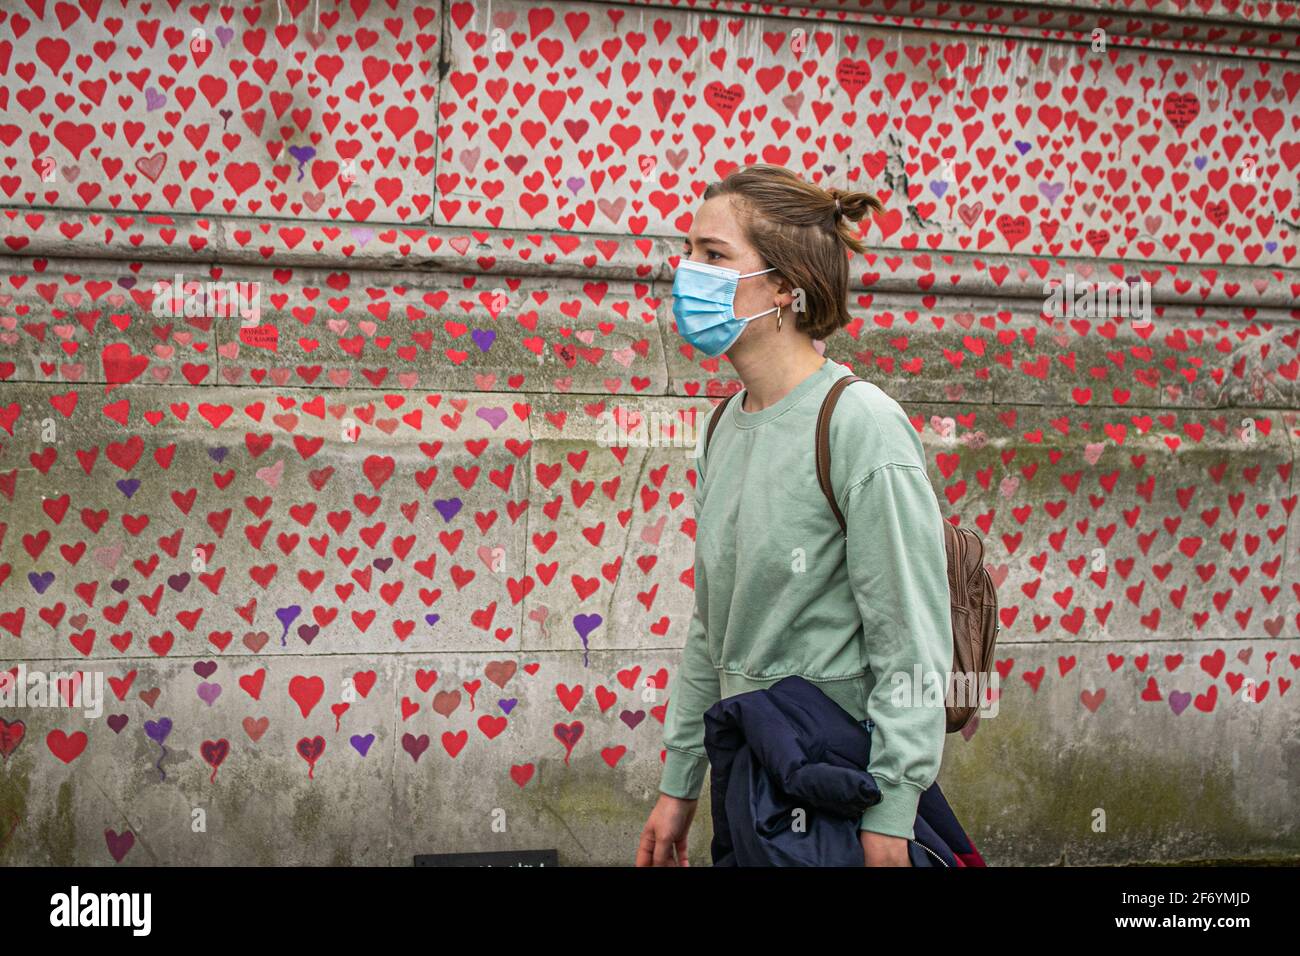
(703, 302)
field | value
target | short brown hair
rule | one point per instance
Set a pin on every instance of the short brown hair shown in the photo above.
(800, 229)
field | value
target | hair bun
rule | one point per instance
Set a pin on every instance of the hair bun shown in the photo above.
(853, 205)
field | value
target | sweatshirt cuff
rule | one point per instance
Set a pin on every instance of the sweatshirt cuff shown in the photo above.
(895, 814)
(683, 775)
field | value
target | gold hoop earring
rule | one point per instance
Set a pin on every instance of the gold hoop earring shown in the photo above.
(778, 316)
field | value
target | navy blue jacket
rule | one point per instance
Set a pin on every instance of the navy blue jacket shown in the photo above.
(787, 748)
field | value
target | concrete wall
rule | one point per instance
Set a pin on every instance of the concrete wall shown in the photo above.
(380, 520)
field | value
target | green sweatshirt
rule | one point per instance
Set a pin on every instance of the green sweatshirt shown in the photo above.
(779, 590)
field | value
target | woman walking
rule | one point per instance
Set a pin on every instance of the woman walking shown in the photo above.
(779, 590)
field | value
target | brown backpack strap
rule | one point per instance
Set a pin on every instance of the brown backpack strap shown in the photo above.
(713, 419)
(824, 443)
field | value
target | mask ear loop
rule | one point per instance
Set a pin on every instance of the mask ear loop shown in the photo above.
(778, 310)
(778, 305)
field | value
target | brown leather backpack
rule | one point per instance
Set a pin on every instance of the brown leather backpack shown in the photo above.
(974, 598)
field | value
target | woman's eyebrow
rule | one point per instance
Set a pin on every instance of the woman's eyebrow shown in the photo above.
(714, 240)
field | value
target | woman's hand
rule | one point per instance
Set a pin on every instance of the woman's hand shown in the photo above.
(881, 849)
(663, 839)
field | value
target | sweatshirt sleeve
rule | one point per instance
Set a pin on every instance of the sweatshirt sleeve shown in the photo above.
(691, 692)
(897, 565)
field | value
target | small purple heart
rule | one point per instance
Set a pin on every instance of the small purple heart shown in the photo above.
(483, 338)
(362, 236)
(40, 581)
(153, 100)
(1051, 191)
(1178, 700)
(127, 282)
(157, 730)
(938, 187)
(495, 417)
(383, 564)
(575, 184)
(414, 745)
(1200, 161)
(225, 35)
(218, 454)
(362, 744)
(128, 486)
(117, 722)
(301, 154)
(286, 616)
(508, 704)
(120, 585)
(308, 632)
(208, 693)
(584, 624)
(1023, 147)
(632, 718)
(205, 669)
(431, 618)
(448, 508)
(119, 845)
(179, 582)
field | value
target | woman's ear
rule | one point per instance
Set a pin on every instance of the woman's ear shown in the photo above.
(785, 289)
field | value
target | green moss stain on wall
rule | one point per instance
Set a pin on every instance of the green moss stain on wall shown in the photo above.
(1016, 791)
(588, 802)
(14, 788)
(308, 812)
(58, 831)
